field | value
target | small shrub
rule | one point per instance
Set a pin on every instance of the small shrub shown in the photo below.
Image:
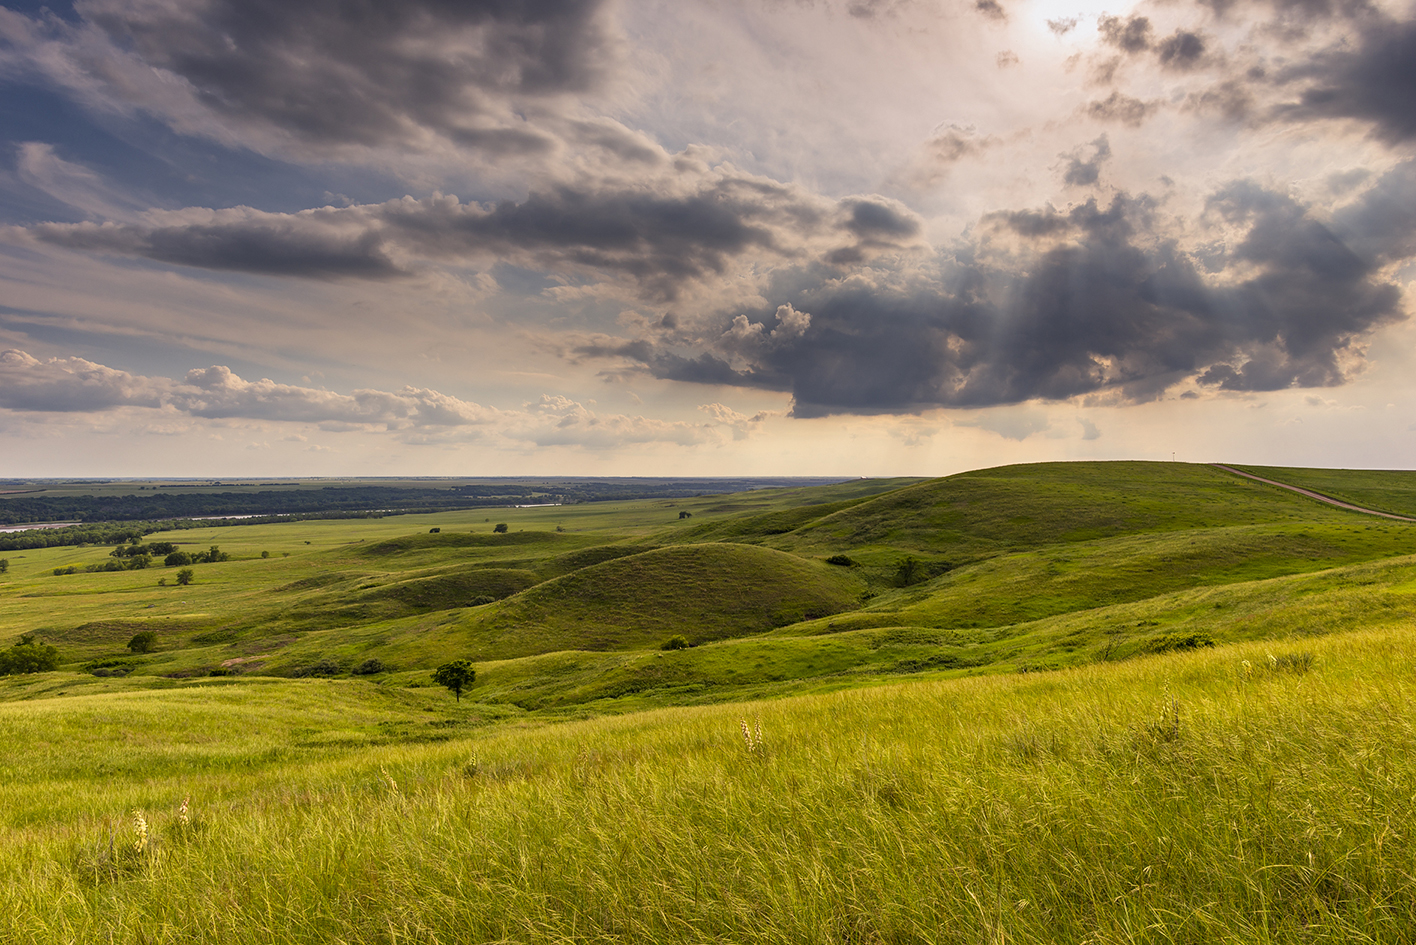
(434, 531)
(676, 642)
(369, 667)
(27, 656)
(844, 561)
(265, 554)
(1178, 641)
(499, 528)
(222, 671)
(325, 667)
(1295, 663)
(4, 565)
(144, 642)
(684, 515)
(71, 569)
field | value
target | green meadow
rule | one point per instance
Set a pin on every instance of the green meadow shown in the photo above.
(1100, 702)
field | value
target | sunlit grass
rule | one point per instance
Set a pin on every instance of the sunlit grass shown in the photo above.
(1170, 799)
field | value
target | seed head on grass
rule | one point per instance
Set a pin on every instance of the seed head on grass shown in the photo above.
(753, 740)
(140, 832)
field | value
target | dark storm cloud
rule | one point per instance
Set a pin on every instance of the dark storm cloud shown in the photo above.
(271, 244)
(706, 369)
(1099, 299)
(690, 227)
(1312, 294)
(363, 72)
(1381, 224)
(1374, 82)
(1303, 11)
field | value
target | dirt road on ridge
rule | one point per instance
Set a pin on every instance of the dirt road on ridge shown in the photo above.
(1312, 495)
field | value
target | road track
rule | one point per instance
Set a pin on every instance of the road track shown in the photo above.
(1313, 495)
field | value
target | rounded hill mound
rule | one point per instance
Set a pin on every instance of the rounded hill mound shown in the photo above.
(703, 592)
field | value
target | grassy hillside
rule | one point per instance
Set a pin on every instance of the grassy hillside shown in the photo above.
(1101, 702)
(996, 556)
(985, 512)
(1385, 490)
(1253, 793)
(702, 592)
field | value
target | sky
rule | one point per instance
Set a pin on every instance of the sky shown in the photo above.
(667, 238)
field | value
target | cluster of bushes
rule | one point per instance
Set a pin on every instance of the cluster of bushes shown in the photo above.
(135, 557)
(136, 563)
(178, 559)
(113, 564)
(27, 656)
(137, 550)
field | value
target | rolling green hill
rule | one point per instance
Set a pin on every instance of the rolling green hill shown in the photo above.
(970, 568)
(703, 592)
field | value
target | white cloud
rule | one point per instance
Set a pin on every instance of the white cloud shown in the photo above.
(416, 415)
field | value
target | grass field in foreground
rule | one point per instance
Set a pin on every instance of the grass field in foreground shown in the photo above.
(1258, 792)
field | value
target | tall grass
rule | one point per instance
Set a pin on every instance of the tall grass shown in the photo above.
(1172, 799)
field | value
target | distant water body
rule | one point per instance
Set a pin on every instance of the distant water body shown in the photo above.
(25, 528)
(188, 518)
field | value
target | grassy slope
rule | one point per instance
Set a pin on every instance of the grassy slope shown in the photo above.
(1079, 576)
(1385, 490)
(1192, 796)
(1189, 798)
(989, 511)
(704, 592)
(1021, 545)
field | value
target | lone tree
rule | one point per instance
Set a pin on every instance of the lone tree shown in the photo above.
(4, 565)
(144, 642)
(184, 576)
(500, 528)
(456, 676)
(909, 572)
